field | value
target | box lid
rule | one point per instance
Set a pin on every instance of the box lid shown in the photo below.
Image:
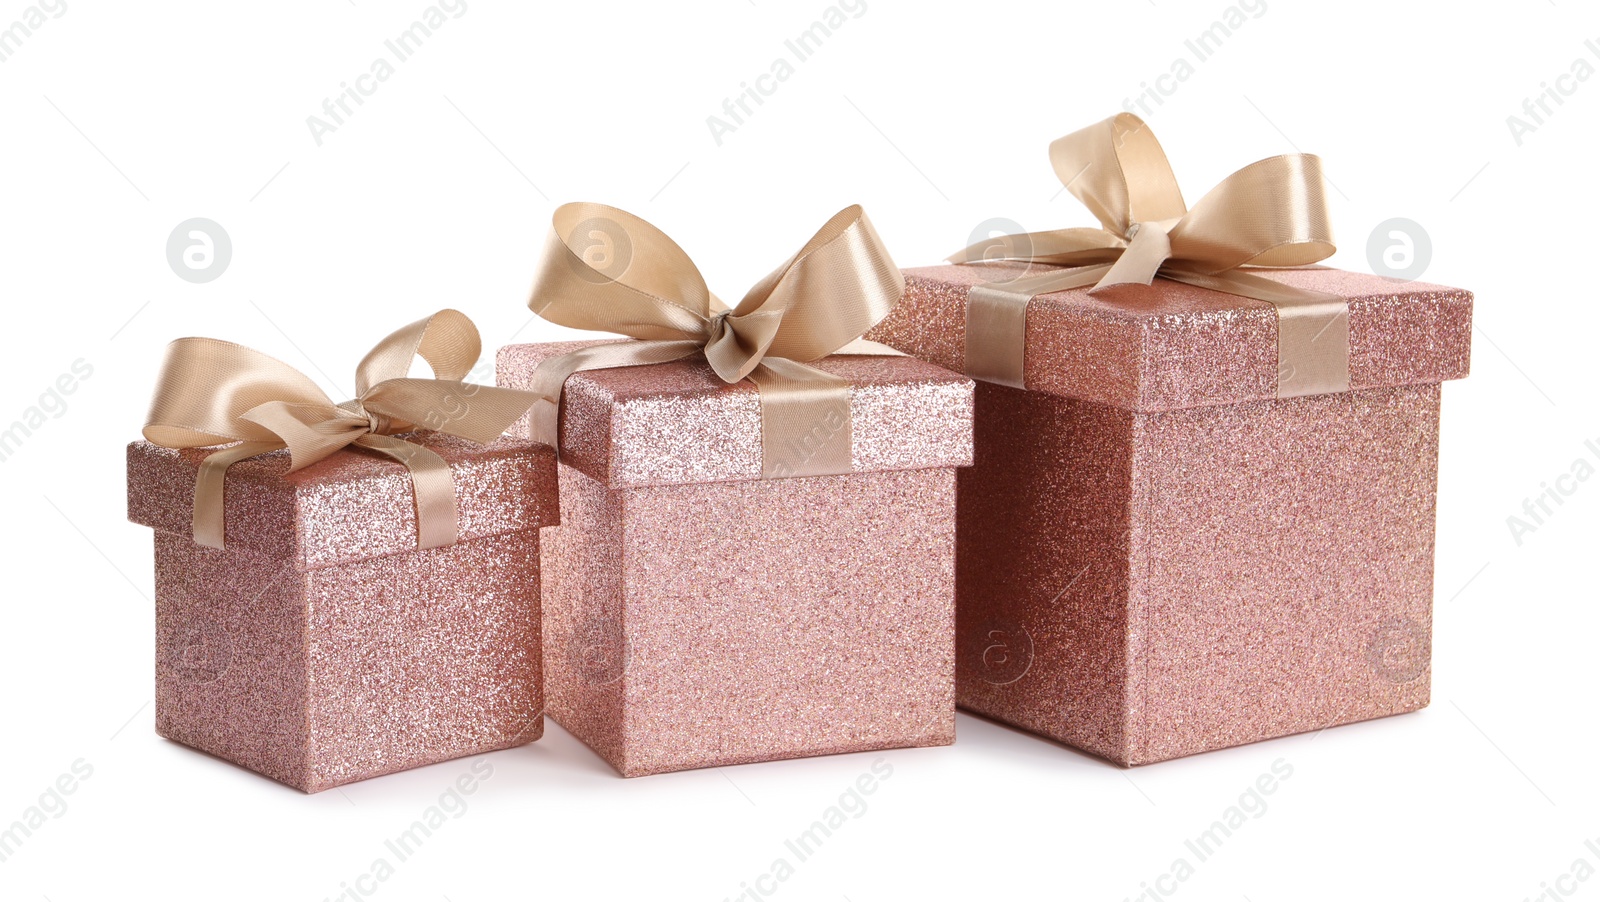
(352, 505)
(1180, 346)
(675, 423)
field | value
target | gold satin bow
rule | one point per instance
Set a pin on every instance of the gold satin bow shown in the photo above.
(212, 392)
(610, 271)
(1272, 213)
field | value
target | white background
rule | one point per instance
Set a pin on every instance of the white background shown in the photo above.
(122, 120)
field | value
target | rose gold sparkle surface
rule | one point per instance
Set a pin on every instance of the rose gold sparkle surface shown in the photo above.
(1170, 563)
(696, 616)
(321, 647)
(1177, 346)
(675, 423)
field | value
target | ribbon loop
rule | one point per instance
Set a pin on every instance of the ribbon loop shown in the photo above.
(213, 392)
(1272, 213)
(447, 340)
(607, 270)
(210, 384)
(1118, 170)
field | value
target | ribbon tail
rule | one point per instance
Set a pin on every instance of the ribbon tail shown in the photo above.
(310, 431)
(550, 377)
(1141, 260)
(805, 420)
(861, 347)
(478, 413)
(210, 485)
(1313, 329)
(432, 487)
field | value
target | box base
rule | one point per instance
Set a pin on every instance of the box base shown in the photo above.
(318, 678)
(713, 624)
(1145, 586)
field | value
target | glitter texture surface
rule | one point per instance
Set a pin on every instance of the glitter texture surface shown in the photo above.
(1168, 560)
(699, 625)
(676, 423)
(697, 616)
(321, 647)
(1181, 346)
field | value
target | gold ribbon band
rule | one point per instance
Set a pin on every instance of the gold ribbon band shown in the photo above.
(214, 392)
(610, 271)
(1272, 213)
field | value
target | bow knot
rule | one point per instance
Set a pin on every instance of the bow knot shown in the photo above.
(215, 392)
(1147, 249)
(377, 423)
(1272, 213)
(349, 416)
(723, 346)
(825, 297)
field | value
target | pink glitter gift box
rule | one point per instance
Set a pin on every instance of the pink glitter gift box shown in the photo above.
(1156, 555)
(321, 647)
(698, 615)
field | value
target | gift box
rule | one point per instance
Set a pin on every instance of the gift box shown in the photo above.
(343, 590)
(321, 646)
(1157, 554)
(698, 614)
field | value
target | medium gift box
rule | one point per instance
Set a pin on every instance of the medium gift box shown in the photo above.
(326, 614)
(714, 594)
(1201, 511)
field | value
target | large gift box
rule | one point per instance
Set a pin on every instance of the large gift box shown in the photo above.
(1181, 532)
(319, 644)
(714, 595)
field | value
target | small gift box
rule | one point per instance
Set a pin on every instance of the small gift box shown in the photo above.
(325, 614)
(1202, 508)
(727, 586)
